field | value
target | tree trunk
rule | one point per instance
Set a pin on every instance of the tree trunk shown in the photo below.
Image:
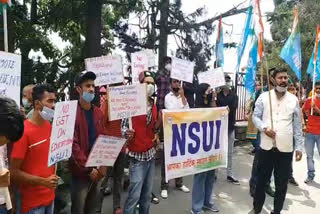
(163, 41)
(94, 28)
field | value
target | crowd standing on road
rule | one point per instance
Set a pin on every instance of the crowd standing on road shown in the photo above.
(276, 142)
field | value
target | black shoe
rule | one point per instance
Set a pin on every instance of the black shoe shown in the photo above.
(154, 199)
(233, 180)
(270, 191)
(293, 181)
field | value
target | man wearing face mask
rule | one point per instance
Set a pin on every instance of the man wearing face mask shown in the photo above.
(29, 158)
(88, 126)
(312, 133)
(173, 101)
(228, 98)
(277, 134)
(142, 143)
(27, 100)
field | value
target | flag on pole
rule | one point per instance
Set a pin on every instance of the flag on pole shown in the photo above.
(250, 77)
(315, 60)
(246, 32)
(4, 4)
(291, 51)
(219, 46)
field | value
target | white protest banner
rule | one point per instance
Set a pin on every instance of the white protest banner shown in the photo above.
(127, 101)
(105, 151)
(139, 63)
(195, 140)
(62, 131)
(151, 57)
(182, 70)
(10, 76)
(214, 78)
(108, 69)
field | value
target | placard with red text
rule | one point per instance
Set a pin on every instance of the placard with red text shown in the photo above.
(62, 132)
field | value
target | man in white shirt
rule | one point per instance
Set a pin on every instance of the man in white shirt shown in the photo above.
(277, 133)
(174, 100)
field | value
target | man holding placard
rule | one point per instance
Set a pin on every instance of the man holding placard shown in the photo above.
(141, 144)
(89, 125)
(29, 158)
(228, 98)
(173, 101)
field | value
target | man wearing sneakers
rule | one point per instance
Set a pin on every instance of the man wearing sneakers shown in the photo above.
(173, 101)
(228, 98)
(313, 132)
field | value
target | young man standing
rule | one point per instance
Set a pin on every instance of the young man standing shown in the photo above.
(29, 159)
(142, 151)
(11, 130)
(173, 101)
(228, 98)
(313, 131)
(88, 126)
(277, 134)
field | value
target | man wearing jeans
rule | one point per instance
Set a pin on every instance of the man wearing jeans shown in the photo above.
(228, 98)
(141, 152)
(313, 131)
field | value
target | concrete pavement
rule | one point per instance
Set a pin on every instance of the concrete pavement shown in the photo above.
(232, 199)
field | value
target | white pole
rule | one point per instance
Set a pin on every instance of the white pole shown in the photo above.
(5, 29)
(5, 190)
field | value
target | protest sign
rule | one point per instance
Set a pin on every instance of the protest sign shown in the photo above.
(214, 78)
(127, 101)
(182, 70)
(105, 151)
(108, 69)
(10, 75)
(151, 57)
(139, 63)
(62, 131)
(195, 140)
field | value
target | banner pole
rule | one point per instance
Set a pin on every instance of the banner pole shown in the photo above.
(5, 29)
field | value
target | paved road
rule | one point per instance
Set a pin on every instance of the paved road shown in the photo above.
(233, 199)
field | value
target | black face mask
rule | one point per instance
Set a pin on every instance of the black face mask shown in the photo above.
(176, 90)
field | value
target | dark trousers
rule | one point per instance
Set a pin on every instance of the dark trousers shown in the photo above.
(164, 184)
(279, 162)
(254, 173)
(116, 172)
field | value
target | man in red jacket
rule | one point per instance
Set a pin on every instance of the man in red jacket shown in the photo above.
(88, 126)
(141, 152)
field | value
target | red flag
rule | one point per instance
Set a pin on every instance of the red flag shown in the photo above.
(220, 27)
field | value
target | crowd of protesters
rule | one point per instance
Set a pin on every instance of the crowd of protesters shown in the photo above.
(294, 122)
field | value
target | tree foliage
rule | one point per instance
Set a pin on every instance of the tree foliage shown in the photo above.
(282, 19)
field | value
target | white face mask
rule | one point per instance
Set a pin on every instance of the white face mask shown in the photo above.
(26, 103)
(318, 96)
(150, 90)
(281, 89)
(168, 67)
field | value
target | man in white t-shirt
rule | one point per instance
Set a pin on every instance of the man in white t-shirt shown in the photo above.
(173, 101)
(11, 130)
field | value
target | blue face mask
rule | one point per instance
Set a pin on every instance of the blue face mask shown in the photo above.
(88, 97)
(47, 113)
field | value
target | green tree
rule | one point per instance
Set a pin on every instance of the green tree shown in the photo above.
(282, 19)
